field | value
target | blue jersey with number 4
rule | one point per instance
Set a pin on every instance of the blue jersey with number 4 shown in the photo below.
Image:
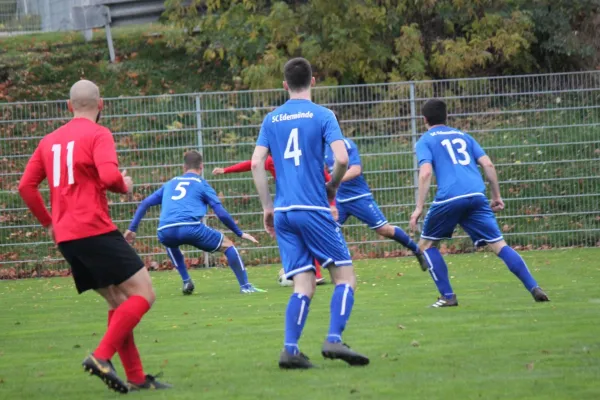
(296, 134)
(184, 200)
(453, 155)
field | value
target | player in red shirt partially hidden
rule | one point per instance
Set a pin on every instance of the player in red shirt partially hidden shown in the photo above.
(245, 166)
(80, 162)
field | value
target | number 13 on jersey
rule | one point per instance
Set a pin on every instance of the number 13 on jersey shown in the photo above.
(292, 149)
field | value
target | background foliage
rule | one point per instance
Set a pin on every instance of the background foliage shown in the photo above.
(385, 40)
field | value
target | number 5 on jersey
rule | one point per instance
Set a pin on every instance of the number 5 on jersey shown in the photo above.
(292, 149)
(181, 189)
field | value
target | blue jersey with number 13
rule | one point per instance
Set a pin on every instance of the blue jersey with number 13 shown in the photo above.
(453, 155)
(296, 135)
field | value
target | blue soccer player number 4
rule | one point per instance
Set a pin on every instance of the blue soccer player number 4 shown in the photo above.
(292, 150)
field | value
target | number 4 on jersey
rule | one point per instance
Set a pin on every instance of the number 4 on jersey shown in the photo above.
(292, 149)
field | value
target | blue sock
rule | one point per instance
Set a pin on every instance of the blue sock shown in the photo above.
(179, 262)
(342, 301)
(517, 266)
(401, 237)
(439, 271)
(295, 318)
(237, 265)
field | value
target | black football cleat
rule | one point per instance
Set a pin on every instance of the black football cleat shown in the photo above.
(104, 370)
(294, 361)
(422, 261)
(341, 351)
(444, 302)
(539, 295)
(149, 384)
(188, 287)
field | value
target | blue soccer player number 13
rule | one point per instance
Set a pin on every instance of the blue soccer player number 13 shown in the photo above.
(292, 149)
(462, 149)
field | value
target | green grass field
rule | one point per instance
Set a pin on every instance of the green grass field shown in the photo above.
(218, 344)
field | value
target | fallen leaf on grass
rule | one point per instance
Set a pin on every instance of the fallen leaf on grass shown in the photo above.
(402, 327)
(164, 364)
(530, 366)
(414, 343)
(384, 355)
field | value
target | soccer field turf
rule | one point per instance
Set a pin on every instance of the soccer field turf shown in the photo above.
(219, 344)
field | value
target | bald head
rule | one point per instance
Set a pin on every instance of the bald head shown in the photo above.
(85, 96)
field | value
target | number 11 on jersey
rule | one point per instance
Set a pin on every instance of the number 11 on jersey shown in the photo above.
(292, 149)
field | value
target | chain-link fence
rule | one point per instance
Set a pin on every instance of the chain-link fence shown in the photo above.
(27, 16)
(542, 131)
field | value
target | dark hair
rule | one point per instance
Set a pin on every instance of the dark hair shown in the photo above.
(192, 160)
(435, 112)
(297, 72)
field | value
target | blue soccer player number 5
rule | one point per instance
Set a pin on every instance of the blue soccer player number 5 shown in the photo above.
(292, 150)
(462, 150)
(181, 189)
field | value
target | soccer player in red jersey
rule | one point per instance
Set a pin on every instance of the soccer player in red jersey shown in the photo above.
(245, 166)
(79, 160)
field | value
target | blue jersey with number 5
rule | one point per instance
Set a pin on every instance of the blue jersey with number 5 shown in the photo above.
(184, 200)
(296, 135)
(453, 155)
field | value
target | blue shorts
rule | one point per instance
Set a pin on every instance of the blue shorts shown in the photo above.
(364, 209)
(473, 214)
(199, 236)
(303, 236)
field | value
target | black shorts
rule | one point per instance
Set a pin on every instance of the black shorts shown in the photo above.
(100, 261)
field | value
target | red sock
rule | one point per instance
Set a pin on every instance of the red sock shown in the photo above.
(318, 266)
(122, 322)
(130, 357)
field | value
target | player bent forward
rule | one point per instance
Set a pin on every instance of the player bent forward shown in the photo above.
(296, 135)
(460, 200)
(184, 201)
(80, 161)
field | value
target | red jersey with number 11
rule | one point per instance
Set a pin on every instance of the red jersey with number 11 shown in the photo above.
(80, 161)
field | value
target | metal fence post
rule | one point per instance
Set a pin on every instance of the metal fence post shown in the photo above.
(413, 136)
(201, 150)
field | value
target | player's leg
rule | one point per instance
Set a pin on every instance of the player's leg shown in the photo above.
(86, 278)
(128, 352)
(170, 238)
(481, 225)
(178, 261)
(368, 212)
(439, 224)
(324, 240)
(235, 262)
(297, 264)
(114, 262)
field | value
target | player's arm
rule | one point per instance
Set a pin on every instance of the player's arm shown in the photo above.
(340, 166)
(332, 205)
(153, 200)
(105, 159)
(425, 158)
(259, 173)
(244, 166)
(489, 171)
(209, 196)
(354, 165)
(29, 188)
